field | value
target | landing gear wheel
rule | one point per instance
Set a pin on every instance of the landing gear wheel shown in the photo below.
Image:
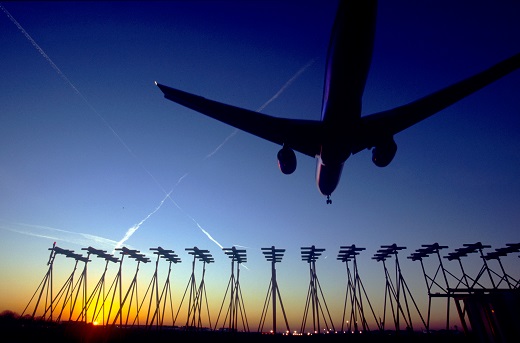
(328, 200)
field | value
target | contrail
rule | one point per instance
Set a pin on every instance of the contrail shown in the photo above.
(287, 84)
(81, 239)
(134, 228)
(274, 97)
(196, 223)
(71, 85)
(261, 108)
(40, 50)
(222, 144)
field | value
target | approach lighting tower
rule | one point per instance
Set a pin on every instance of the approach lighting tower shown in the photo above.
(311, 255)
(236, 301)
(436, 287)
(274, 256)
(502, 252)
(132, 289)
(70, 290)
(157, 317)
(489, 310)
(355, 292)
(398, 292)
(197, 294)
(99, 289)
(46, 287)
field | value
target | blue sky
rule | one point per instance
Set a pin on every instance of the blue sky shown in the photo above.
(89, 148)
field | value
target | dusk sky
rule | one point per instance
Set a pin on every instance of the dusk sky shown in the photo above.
(91, 151)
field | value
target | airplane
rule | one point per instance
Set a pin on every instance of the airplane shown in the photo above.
(342, 131)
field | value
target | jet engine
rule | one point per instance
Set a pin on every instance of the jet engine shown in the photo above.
(383, 153)
(286, 160)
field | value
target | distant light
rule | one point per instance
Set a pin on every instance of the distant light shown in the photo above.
(95, 323)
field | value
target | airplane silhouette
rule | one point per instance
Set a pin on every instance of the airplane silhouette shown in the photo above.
(342, 131)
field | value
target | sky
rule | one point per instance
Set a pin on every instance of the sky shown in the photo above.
(91, 154)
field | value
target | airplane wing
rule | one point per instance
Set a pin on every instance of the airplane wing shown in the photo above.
(301, 135)
(387, 123)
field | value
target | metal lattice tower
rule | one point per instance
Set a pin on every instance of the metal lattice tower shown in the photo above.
(70, 291)
(311, 255)
(398, 292)
(355, 292)
(132, 289)
(236, 301)
(46, 286)
(165, 296)
(274, 256)
(501, 252)
(99, 289)
(197, 294)
(468, 288)
(466, 283)
(440, 287)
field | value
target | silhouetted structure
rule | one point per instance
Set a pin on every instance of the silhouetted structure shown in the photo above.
(165, 297)
(436, 288)
(504, 277)
(236, 302)
(492, 312)
(132, 290)
(70, 290)
(99, 289)
(355, 293)
(311, 255)
(197, 294)
(66, 291)
(398, 293)
(487, 303)
(274, 256)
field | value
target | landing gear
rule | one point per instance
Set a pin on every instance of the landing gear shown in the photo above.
(328, 200)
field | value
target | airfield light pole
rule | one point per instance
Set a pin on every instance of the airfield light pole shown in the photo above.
(501, 252)
(66, 292)
(473, 288)
(117, 288)
(274, 256)
(353, 292)
(197, 294)
(441, 290)
(400, 289)
(45, 286)
(99, 289)
(310, 255)
(157, 316)
(479, 247)
(81, 286)
(133, 285)
(236, 301)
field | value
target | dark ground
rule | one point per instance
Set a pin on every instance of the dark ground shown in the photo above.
(13, 330)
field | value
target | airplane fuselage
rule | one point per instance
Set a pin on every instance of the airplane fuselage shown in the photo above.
(348, 64)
